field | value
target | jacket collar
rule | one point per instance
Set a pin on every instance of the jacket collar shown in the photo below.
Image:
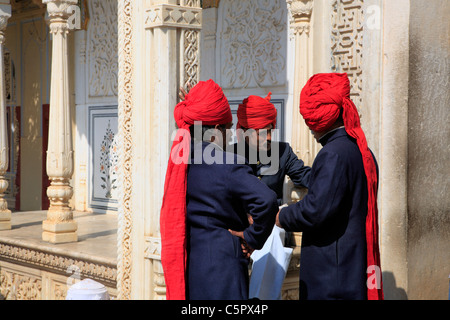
(332, 135)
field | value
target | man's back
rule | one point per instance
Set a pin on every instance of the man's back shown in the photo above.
(332, 217)
(220, 193)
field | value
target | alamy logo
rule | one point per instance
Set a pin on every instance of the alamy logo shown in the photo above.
(74, 20)
(374, 277)
(181, 151)
(75, 275)
(373, 21)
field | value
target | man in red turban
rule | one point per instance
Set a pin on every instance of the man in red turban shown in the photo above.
(271, 161)
(338, 217)
(258, 114)
(202, 200)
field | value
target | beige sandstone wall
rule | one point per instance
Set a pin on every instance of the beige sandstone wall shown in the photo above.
(428, 150)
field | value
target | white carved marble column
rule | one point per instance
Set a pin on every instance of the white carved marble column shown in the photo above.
(167, 57)
(303, 142)
(59, 226)
(5, 214)
(153, 60)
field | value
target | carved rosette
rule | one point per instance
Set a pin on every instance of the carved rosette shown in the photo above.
(5, 214)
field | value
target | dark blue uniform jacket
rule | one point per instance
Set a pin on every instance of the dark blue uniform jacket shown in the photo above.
(273, 176)
(332, 218)
(220, 193)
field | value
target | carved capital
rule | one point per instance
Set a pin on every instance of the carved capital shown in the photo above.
(5, 14)
(59, 9)
(300, 10)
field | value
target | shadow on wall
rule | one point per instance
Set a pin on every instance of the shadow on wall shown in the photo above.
(391, 291)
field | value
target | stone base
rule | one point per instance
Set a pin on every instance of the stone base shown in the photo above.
(5, 225)
(5, 220)
(59, 232)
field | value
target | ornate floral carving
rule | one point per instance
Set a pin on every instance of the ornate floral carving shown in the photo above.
(56, 263)
(108, 162)
(125, 225)
(17, 286)
(252, 40)
(191, 57)
(102, 48)
(59, 291)
(6, 284)
(347, 43)
(27, 288)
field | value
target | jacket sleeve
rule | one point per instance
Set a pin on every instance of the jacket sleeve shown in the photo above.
(258, 200)
(296, 169)
(325, 195)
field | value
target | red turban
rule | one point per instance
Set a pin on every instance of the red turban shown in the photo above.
(256, 113)
(321, 101)
(207, 103)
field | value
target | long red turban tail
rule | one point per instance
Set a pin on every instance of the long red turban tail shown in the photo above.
(321, 101)
(256, 113)
(207, 103)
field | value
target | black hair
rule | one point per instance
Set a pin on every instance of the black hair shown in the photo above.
(204, 130)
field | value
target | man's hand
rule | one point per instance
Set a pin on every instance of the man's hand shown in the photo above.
(246, 249)
(277, 220)
(250, 219)
(182, 94)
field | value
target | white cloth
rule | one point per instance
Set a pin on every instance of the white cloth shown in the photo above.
(269, 267)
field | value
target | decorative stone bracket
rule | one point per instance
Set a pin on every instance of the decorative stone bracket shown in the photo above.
(166, 15)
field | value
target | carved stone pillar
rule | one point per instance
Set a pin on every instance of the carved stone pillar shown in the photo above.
(5, 214)
(172, 42)
(59, 226)
(303, 142)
